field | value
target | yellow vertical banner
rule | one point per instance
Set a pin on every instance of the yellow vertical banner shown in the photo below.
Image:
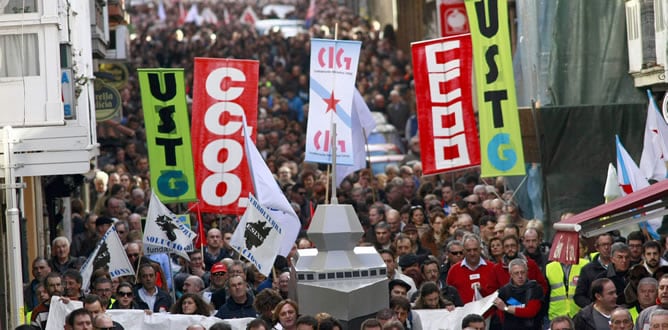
(163, 96)
(500, 135)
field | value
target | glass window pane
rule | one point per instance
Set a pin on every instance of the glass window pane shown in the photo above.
(18, 6)
(19, 55)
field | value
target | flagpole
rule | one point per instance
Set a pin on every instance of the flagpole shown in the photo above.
(334, 198)
(171, 274)
(368, 161)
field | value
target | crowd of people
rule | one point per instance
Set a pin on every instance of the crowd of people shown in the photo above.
(446, 240)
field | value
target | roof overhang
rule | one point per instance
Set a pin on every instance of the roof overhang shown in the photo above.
(636, 207)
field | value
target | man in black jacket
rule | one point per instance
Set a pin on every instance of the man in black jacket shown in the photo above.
(148, 294)
(591, 271)
(596, 315)
(240, 302)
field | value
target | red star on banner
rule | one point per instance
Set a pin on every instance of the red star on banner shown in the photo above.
(331, 103)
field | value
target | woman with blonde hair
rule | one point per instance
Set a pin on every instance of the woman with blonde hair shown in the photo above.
(285, 315)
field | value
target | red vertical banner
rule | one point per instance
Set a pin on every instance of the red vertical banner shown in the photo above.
(452, 19)
(448, 132)
(223, 91)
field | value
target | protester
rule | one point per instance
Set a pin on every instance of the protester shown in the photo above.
(191, 304)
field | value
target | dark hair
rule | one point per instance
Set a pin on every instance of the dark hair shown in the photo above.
(563, 318)
(428, 261)
(636, 236)
(401, 302)
(91, 299)
(220, 326)
(651, 245)
(203, 308)
(266, 300)
(387, 251)
(76, 313)
(385, 314)
(597, 287)
(256, 323)
(101, 280)
(471, 318)
(329, 323)
(308, 320)
(73, 274)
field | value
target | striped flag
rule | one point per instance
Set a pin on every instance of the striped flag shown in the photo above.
(630, 180)
(654, 150)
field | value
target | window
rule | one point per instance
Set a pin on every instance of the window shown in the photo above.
(19, 55)
(18, 6)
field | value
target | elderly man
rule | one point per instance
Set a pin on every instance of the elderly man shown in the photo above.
(193, 284)
(521, 299)
(596, 315)
(643, 321)
(659, 319)
(61, 260)
(511, 252)
(621, 319)
(620, 261)
(472, 272)
(647, 293)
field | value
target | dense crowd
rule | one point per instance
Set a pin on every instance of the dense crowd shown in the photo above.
(446, 240)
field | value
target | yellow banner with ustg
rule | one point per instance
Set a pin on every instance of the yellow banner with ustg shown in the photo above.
(163, 95)
(500, 134)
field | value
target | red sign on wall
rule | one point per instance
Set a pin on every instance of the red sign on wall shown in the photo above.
(448, 132)
(223, 90)
(452, 19)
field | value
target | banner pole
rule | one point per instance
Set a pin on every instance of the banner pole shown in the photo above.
(171, 274)
(334, 198)
(368, 162)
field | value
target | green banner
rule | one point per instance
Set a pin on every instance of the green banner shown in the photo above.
(168, 134)
(500, 134)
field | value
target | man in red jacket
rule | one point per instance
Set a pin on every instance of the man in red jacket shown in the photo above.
(472, 272)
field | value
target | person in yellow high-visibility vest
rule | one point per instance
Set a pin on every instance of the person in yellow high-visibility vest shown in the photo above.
(562, 280)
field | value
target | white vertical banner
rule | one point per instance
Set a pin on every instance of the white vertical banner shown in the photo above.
(333, 73)
(258, 237)
(164, 233)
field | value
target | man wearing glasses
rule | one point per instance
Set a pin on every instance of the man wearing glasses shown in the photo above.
(215, 294)
(473, 273)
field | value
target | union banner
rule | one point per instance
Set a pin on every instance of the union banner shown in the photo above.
(500, 134)
(163, 97)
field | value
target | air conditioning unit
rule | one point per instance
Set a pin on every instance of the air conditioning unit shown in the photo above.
(660, 30)
(634, 35)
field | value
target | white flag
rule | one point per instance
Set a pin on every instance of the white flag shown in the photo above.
(362, 123)
(164, 233)
(258, 237)
(109, 253)
(270, 195)
(611, 190)
(193, 15)
(654, 150)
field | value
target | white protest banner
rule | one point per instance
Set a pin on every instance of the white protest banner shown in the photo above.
(258, 237)
(58, 312)
(109, 254)
(164, 233)
(442, 319)
(137, 319)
